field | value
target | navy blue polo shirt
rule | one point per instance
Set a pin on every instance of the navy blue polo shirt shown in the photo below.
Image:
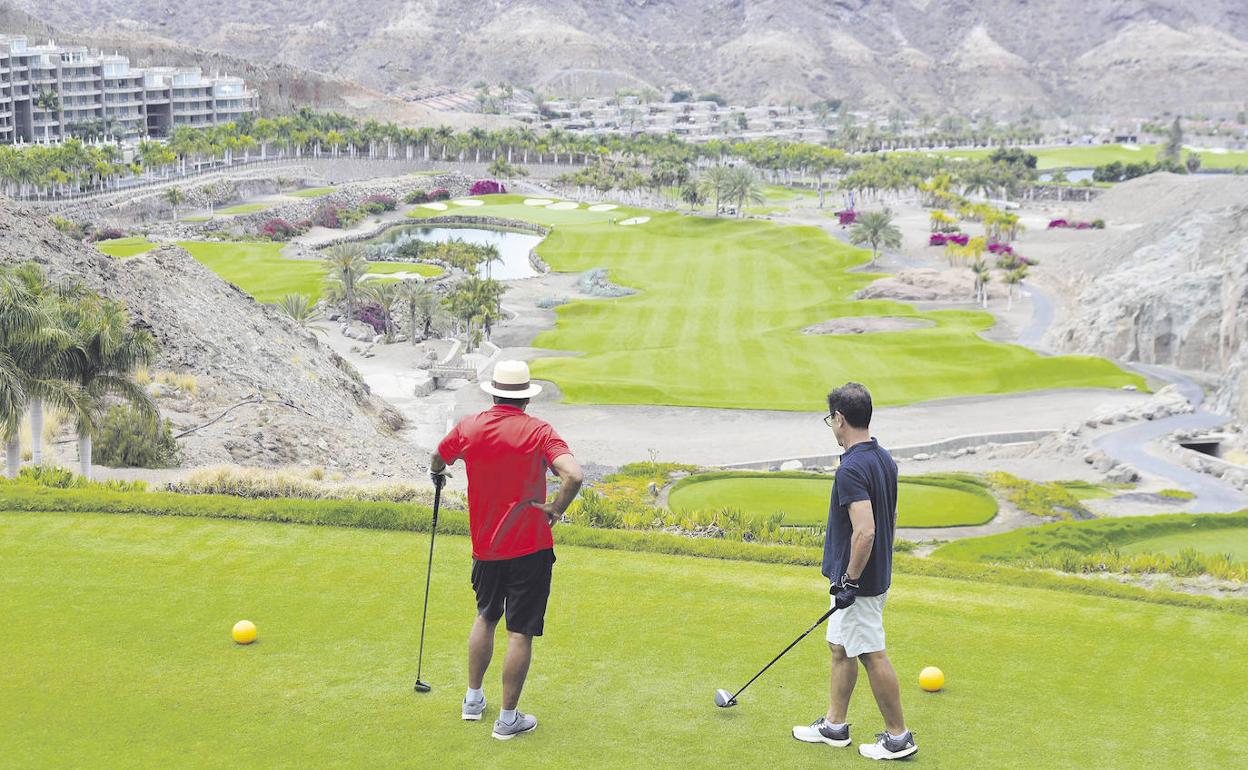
(867, 472)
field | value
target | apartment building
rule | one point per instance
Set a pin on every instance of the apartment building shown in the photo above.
(50, 92)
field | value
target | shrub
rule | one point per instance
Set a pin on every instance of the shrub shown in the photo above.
(108, 234)
(277, 229)
(416, 196)
(327, 216)
(1098, 224)
(846, 217)
(128, 438)
(439, 194)
(486, 187)
(374, 316)
(55, 477)
(264, 484)
(387, 202)
(1039, 499)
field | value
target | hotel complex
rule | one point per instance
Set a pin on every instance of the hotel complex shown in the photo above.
(50, 92)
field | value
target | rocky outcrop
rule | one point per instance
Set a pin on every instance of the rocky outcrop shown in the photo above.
(923, 285)
(308, 406)
(1170, 287)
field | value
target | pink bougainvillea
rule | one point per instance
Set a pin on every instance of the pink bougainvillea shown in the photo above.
(439, 194)
(486, 187)
(846, 217)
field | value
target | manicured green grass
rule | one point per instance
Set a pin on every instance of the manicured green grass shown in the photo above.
(120, 622)
(1213, 541)
(1094, 536)
(196, 218)
(125, 247)
(245, 208)
(311, 192)
(718, 317)
(804, 498)
(1099, 155)
(258, 268)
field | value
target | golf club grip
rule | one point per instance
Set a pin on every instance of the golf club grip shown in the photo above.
(792, 644)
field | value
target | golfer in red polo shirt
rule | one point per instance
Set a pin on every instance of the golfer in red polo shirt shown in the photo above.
(507, 453)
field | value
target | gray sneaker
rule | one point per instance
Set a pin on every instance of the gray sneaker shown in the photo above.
(525, 723)
(888, 747)
(473, 710)
(822, 732)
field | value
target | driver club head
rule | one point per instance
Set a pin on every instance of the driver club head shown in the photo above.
(422, 686)
(724, 699)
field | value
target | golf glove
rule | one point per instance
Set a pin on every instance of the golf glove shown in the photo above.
(845, 592)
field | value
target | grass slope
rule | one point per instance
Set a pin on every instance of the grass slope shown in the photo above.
(120, 624)
(804, 499)
(258, 268)
(719, 311)
(311, 192)
(1099, 155)
(245, 208)
(1213, 541)
(125, 247)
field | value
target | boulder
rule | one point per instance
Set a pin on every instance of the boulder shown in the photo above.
(791, 465)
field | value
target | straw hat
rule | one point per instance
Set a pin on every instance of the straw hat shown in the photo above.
(511, 380)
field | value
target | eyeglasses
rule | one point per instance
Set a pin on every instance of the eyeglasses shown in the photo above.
(828, 420)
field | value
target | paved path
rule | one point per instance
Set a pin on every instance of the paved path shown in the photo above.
(1041, 318)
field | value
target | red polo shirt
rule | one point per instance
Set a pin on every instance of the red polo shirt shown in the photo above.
(507, 453)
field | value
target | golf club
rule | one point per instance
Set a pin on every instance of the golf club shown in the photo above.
(438, 482)
(725, 699)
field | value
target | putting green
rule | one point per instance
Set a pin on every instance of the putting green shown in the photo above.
(1099, 155)
(1214, 542)
(120, 628)
(718, 317)
(921, 502)
(258, 268)
(125, 247)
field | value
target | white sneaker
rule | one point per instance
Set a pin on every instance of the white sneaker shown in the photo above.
(888, 747)
(525, 723)
(473, 710)
(820, 731)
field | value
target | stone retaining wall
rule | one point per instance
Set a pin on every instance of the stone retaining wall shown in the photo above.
(968, 444)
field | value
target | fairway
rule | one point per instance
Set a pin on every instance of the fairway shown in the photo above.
(1216, 541)
(125, 247)
(718, 317)
(258, 268)
(1089, 156)
(120, 627)
(804, 500)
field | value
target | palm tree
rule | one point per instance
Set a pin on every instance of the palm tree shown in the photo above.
(104, 354)
(1013, 278)
(745, 187)
(175, 197)
(347, 263)
(48, 102)
(714, 184)
(386, 292)
(875, 228)
(982, 276)
(298, 308)
(422, 305)
(691, 194)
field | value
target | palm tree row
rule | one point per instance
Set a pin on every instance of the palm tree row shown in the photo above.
(63, 346)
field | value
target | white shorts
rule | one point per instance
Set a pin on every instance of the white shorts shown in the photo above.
(859, 627)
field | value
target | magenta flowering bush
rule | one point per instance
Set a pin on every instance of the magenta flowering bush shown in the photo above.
(327, 216)
(278, 229)
(1055, 224)
(439, 194)
(1095, 224)
(374, 316)
(996, 247)
(960, 239)
(937, 239)
(846, 217)
(486, 187)
(386, 202)
(108, 234)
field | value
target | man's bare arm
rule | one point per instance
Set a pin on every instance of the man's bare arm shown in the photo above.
(570, 479)
(862, 519)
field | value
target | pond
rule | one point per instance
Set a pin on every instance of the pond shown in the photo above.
(513, 247)
(1073, 175)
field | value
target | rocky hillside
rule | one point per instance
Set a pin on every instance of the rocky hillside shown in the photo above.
(312, 407)
(1168, 282)
(1105, 56)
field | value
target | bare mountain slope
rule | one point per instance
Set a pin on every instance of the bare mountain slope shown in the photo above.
(1125, 56)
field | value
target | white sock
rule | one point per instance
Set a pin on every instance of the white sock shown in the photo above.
(898, 737)
(475, 696)
(841, 726)
(507, 716)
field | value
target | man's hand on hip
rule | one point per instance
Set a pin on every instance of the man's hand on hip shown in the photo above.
(845, 592)
(553, 514)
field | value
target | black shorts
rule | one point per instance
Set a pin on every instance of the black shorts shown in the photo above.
(519, 587)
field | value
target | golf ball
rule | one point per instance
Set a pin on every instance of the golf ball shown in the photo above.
(931, 679)
(244, 632)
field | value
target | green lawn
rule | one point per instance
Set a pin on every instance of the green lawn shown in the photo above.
(1099, 155)
(718, 315)
(311, 192)
(125, 247)
(1216, 541)
(804, 500)
(258, 268)
(245, 208)
(196, 218)
(119, 626)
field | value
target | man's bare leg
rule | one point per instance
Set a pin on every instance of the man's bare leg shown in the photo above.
(480, 650)
(516, 667)
(886, 690)
(844, 677)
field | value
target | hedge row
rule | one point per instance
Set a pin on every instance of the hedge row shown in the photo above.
(410, 517)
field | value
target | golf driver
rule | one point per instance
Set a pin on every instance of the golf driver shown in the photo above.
(438, 482)
(725, 699)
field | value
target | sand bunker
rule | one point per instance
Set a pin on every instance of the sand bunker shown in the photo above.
(603, 207)
(868, 324)
(635, 221)
(537, 201)
(435, 206)
(468, 202)
(564, 206)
